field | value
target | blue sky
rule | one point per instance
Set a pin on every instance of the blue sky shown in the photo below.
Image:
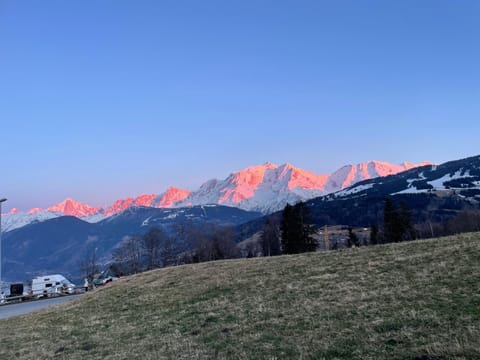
(107, 99)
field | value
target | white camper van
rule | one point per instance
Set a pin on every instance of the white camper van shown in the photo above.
(49, 285)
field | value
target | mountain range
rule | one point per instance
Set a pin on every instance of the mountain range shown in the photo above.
(263, 188)
(434, 193)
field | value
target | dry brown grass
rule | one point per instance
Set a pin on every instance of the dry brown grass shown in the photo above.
(398, 301)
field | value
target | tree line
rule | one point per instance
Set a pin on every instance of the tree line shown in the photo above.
(190, 243)
(291, 232)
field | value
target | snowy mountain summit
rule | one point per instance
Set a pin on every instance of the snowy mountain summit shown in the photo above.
(269, 187)
(459, 177)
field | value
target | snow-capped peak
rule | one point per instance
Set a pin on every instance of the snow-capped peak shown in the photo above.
(170, 197)
(265, 188)
(408, 165)
(35, 210)
(351, 174)
(74, 208)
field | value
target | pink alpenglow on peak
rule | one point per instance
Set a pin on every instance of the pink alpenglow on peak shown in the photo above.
(74, 208)
(144, 200)
(244, 183)
(408, 165)
(35, 211)
(166, 200)
(13, 211)
(351, 174)
(118, 206)
(264, 188)
(307, 180)
(172, 196)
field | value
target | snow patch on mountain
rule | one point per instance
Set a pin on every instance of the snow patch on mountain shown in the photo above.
(94, 218)
(439, 184)
(354, 190)
(411, 190)
(19, 219)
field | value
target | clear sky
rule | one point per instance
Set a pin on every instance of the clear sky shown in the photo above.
(101, 99)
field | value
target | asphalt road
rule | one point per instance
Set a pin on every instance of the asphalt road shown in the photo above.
(7, 311)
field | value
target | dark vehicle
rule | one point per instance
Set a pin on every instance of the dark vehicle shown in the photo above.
(16, 290)
(104, 278)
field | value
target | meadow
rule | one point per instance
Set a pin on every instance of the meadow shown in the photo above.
(416, 300)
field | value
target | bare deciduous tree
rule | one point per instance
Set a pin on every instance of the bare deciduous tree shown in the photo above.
(152, 243)
(270, 237)
(128, 256)
(215, 243)
(89, 265)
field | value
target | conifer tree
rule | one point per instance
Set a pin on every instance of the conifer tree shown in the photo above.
(297, 230)
(390, 222)
(405, 219)
(373, 234)
(352, 238)
(397, 222)
(287, 229)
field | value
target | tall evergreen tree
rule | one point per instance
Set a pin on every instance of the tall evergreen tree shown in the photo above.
(352, 238)
(390, 222)
(287, 229)
(397, 222)
(405, 219)
(296, 229)
(373, 234)
(308, 243)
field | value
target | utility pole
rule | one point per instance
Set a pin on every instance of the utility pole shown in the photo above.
(326, 239)
(1, 281)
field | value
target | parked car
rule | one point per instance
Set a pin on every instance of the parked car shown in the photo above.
(104, 278)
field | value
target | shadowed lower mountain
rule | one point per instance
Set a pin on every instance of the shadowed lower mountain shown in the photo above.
(59, 244)
(433, 193)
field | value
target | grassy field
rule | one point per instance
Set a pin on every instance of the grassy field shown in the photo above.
(417, 300)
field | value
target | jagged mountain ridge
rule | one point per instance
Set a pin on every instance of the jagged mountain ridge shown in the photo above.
(434, 193)
(265, 188)
(352, 174)
(461, 177)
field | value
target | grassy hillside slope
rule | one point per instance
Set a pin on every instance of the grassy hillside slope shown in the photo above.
(417, 300)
